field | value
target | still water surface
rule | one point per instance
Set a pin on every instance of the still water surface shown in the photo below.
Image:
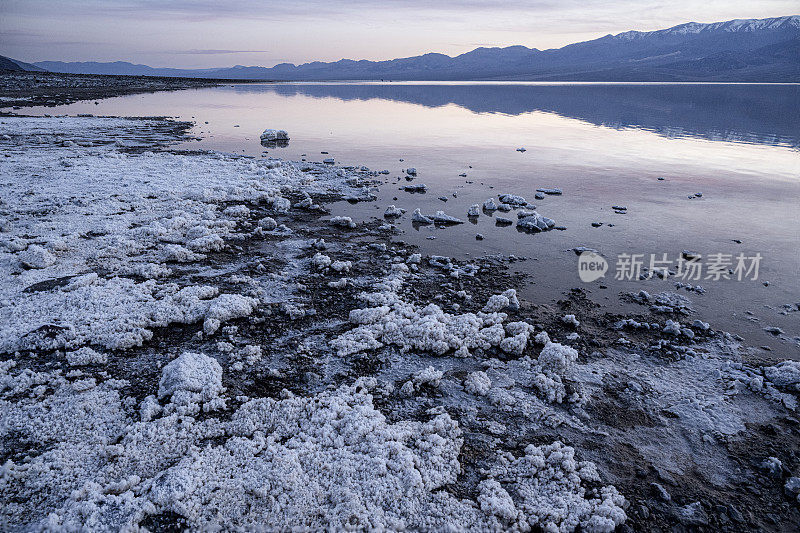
(602, 144)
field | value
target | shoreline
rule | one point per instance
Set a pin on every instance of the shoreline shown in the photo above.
(50, 89)
(272, 338)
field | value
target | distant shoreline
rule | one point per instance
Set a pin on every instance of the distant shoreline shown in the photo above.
(22, 89)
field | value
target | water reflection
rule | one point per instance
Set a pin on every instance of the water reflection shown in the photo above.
(756, 114)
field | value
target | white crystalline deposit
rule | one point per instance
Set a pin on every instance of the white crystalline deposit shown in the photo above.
(192, 377)
(570, 320)
(36, 257)
(280, 204)
(419, 218)
(517, 336)
(227, 307)
(478, 383)
(342, 266)
(554, 365)
(428, 376)
(116, 314)
(785, 375)
(171, 209)
(440, 217)
(474, 210)
(489, 205)
(394, 321)
(513, 199)
(343, 222)
(321, 261)
(274, 135)
(85, 356)
(550, 486)
(393, 212)
(533, 221)
(267, 223)
(330, 461)
(499, 302)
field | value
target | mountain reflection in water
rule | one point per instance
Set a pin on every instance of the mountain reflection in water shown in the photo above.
(755, 114)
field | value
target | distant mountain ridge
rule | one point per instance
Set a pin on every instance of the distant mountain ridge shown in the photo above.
(734, 50)
(6, 63)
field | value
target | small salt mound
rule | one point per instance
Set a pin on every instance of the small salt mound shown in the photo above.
(274, 135)
(513, 199)
(36, 257)
(194, 373)
(489, 205)
(478, 383)
(535, 222)
(785, 375)
(474, 210)
(343, 222)
(507, 300)
(428, 376)
(551, 489)
(393, 212)
(227, 307)
(267, 223)
(342, 266)
(419, 218)
(443, 218)
(85, 356)
(320, 261)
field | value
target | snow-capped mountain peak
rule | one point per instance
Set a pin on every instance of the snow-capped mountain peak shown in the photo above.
(730, 26)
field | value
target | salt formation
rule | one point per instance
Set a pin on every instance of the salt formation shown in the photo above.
(549, 482)
(270, 463)
(535, 222)
(513, 199)
(117, 314)
(267, 223)
(36, 257)
(393, 212)
(426, 377)
(274, 135)
(343, 222)
(85, 451)
(507, 300)
(320, 261)
(478, 383)
(785, 375)
(419, 218)
(395, 321)
(190, 379)
(474, 210)
(443, 218)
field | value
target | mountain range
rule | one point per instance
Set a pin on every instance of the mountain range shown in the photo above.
(735, 50)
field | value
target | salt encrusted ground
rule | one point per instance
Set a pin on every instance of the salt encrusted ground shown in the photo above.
(194, 341)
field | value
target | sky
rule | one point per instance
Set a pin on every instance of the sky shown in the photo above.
(218, 33)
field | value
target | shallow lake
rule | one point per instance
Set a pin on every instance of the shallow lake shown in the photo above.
(601, 144)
